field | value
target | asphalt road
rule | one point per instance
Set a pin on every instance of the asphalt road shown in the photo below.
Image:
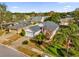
(6, 51)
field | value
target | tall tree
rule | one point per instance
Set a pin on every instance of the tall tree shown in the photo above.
(55, 17)
(3, 9)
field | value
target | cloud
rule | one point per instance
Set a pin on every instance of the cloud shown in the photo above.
(15, 7)
(24, 9)
(61, 2)
(67, 6)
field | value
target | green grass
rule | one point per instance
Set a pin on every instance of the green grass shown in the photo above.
(48, 51)
(74, 52)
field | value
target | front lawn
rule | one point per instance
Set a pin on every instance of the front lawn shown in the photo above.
(12, 39)
(1, 32)
(27, 51)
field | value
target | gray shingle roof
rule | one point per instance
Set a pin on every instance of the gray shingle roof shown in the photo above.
(36, 19)
(35, 28)
(20, 24)
(50, 25)
(8, 52)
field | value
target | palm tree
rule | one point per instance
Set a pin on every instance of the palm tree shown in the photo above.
(2, 12)
(39, 38)
(72, 36)
(8, 16)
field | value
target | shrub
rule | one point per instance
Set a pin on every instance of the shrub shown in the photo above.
(25, 42)
(22, 33)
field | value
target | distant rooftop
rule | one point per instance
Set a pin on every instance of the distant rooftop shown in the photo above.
(38, 18)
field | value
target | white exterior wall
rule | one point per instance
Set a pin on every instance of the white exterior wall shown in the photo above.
(42, 20)
(29, 33)
(53, 33)
(64, 23)
(37, 33)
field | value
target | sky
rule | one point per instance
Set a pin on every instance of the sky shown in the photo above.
(41, 6)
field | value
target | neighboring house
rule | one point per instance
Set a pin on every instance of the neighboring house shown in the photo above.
(49, 29)
(18, 26)
(65, 21)
(38, 19)
(5, 25)
(32, 31)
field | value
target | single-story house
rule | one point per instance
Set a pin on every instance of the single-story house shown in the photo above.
(49, 29)
(18, 26)
(5, 25)
(65, 21)
(32, 31)
(38, 19)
